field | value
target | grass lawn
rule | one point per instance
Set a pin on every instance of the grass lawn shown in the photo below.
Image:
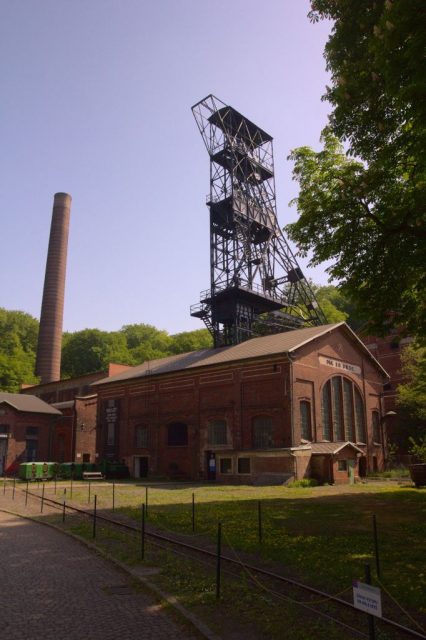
(322, 536)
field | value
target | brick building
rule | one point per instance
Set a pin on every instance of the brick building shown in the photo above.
(27, 426)
(306, 403)
(388, 351)
(74, 435)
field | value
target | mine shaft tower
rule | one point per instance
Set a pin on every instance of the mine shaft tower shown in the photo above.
(256, 285)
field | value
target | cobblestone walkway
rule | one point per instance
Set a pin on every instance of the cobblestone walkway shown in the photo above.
(53, 588)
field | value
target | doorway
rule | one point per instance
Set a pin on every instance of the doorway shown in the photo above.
(3, 455)
(211, 466)
(141, 466)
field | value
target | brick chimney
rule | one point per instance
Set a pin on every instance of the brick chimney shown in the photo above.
(48, 362)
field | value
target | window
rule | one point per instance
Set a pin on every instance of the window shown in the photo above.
(177, 434)
(141, 437)
(342, 410)
(244, 465)
(4, 429)
(217, 432)
(375, 422)
(305, 420)
(342, 465)
(262, 433)
(31, 431)
(225, 465)
(31, 450)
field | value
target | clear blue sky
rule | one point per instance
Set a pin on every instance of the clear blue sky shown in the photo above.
(95, 101)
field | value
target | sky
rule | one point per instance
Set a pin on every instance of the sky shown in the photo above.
(96, 100)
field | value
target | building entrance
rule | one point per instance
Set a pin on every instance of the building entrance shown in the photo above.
(141, 466)
(3, 455)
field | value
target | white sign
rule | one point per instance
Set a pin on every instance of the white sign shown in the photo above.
(338, 364)
(367, 598)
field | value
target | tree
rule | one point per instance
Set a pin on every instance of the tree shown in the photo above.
(92, 350)
(365, 208)
(18, 343)
(191, 341)
(412, 393)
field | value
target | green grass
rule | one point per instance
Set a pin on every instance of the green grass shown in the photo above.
(320, 535)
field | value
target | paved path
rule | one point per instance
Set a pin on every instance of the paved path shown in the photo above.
(53, 588)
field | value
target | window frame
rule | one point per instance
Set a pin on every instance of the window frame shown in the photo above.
(308, 435)
(243, 473)
(137, 441)
(177, 444)
(262, 441)
(342, 411)
(231, 468)
(212, 441)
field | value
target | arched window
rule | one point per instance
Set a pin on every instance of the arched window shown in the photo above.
(375, 423)
(217, 432)
(305, 420)
(342, 409)
(177, 434)
(141, 437)
(262, 433)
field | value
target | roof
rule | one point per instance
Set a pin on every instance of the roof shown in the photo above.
(30, 404)
(279, 343)
(322, 448)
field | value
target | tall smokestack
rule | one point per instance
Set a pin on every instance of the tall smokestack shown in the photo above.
(48, 363)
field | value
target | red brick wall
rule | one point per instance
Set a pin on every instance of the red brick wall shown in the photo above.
(18, 423)
(237, 393)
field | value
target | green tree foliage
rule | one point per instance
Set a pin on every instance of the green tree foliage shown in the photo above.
(191, 341)
(367, 214)
(412, 393)
(91, 350)
(18, 344)
(337, 307)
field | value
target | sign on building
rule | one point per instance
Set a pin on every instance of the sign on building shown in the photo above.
(367, 598)
(338, 364)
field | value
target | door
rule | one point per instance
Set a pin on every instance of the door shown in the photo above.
(3, 454)
(141, 467)
(351, 471)
(211, 466)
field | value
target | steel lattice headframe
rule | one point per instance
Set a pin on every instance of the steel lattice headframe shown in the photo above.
(256, 285)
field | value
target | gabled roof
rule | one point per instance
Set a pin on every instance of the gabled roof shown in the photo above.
(321, 448)
(29, 404)
(281, 343)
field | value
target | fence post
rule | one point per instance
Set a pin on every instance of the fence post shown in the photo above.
(143, 533)
(42, 500)
(376, 546)
(218, 558)
(13, 492)
(371, 631)
(193, 512)
(4, 485)
(63, 506)
(94, 516)
(259, 516)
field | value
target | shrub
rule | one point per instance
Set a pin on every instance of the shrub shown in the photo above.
(305, 482)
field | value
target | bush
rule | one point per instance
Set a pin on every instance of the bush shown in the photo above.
(305, 482)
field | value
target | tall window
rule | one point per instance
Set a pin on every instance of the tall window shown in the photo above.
(31, 450)
(342, 411)
(141, 437)
(217, 432)
(375, 423)
(177, 434)
(305, 420)
(262, 433)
